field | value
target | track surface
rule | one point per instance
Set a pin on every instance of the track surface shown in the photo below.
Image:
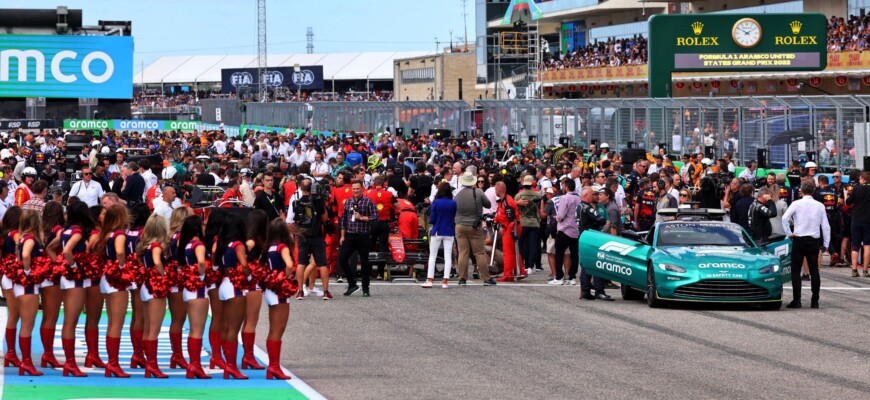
(539, 341)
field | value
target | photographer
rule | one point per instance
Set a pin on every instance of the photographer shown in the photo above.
(760, 213)
(470, 238)
(307, 212)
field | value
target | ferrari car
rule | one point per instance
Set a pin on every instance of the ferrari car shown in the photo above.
(693, 258)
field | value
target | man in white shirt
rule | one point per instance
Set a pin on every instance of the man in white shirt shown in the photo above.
(164, 205)
(246, 187)
(809, 218)
(220, 147)
(4, 191)
(319, 169)
(748, 174)
(297, 157)
(150, 178)
(86, 189)
(8, 177)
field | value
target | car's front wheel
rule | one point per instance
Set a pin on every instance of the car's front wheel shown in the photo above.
(629, 293)
(652, 299)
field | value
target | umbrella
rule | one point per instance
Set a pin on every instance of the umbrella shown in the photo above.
(790, 137)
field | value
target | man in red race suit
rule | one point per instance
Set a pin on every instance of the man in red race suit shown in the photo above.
(507, 220)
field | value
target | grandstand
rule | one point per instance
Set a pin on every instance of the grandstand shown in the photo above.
(597, 49)
(347, 76)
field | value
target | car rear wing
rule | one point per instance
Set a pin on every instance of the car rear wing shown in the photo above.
(693, 214)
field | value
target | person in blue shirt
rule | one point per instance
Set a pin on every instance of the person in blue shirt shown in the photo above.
(441, 217)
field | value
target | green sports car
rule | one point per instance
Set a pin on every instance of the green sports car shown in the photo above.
(692, 260)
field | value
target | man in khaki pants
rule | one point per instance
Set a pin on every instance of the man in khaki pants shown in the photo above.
(470, 202)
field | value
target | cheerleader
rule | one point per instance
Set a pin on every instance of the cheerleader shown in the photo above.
(11, 220)
(192, 254)
(257, 224)
(230, 255)
(217, 325)
(137, 321)
(93, 297)
(114, 240)
(72, 241)
(278, 258)
(150, 250)
(177, 308)
(52, 223)
(29, 248)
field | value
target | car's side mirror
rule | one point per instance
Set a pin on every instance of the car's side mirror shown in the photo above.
(777, 237)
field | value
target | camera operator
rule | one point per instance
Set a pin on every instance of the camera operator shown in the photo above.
(590, 219)
(307, 212)
(470, 237)
(759, 215)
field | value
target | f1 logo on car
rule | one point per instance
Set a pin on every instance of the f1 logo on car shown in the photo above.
(781, 251)
(617, 247)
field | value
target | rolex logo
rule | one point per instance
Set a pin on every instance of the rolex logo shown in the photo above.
(796, 27)
(698, 27)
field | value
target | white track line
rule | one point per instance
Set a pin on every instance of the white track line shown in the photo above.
(3, 315)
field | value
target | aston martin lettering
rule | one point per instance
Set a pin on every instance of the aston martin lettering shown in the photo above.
(619, 269)
(722, 265)
(617, 247)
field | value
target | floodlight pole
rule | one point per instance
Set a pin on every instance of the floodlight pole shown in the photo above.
(261, 48)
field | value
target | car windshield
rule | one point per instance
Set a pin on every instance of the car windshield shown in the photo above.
(702, 234)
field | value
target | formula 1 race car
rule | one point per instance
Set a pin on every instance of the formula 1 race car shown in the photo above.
(693, 258)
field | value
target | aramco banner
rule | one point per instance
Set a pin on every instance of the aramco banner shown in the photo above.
(99, 67)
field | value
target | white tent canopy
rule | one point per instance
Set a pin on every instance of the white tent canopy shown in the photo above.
(207, 69)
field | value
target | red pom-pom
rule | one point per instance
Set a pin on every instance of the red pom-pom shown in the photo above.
(282, 285)
(159, 285)
(213, 274)
(119, 278)
(240, 280)
(59, 268)
(41, 269)
(89, 266)
(259, 272)
(8, 264)
(133, 264)
(190, 278)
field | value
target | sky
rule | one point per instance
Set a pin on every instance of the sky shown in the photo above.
(196, 27)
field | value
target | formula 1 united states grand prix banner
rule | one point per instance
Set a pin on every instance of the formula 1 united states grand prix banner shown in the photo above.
(308, 78)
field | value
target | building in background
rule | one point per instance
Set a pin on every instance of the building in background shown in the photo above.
(444, 76)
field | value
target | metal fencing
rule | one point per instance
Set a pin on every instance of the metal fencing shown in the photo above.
(377, 116)
(710, 125)
(277, 114)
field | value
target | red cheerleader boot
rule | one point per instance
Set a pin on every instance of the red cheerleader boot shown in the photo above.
(194, 351)
(214, 340)
(248, 359)
(151, 368)
(48, 358)
(11, 358)
(92, 338)
(273, 347)
(177, 359)
(138, 358)
(113, 346)
(26, 362)
(70, 367)
(232, 370)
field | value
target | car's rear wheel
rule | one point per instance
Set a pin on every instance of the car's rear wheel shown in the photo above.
(629, 293)
(652, 299)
